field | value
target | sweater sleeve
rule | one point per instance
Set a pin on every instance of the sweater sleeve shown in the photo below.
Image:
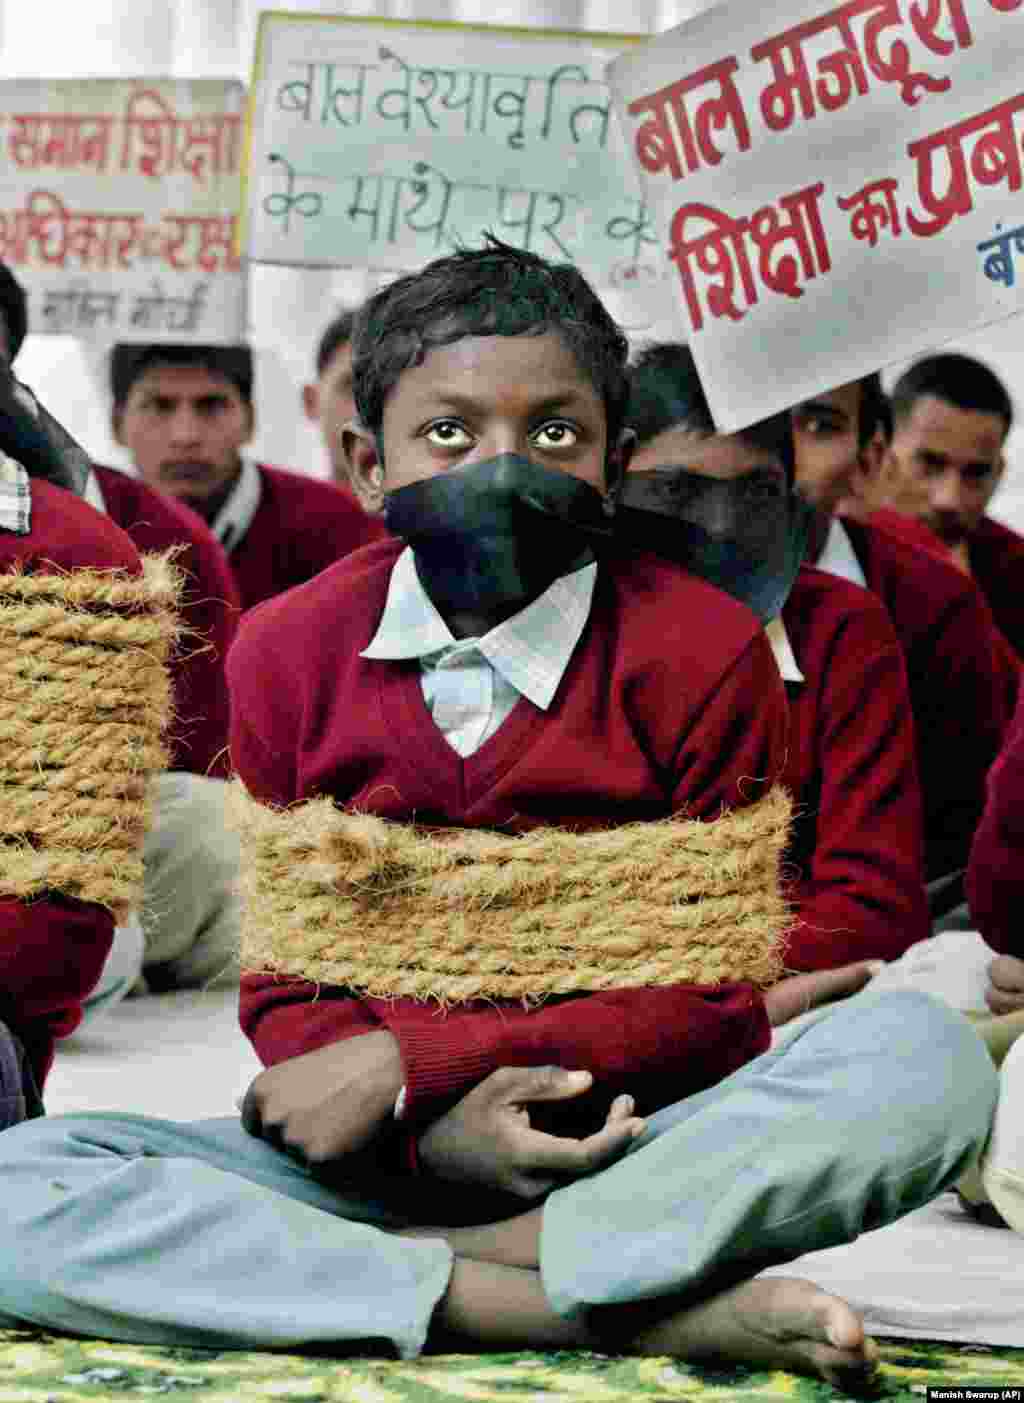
(51, 956)
(995, 876)
(959, 694)
(861, 895)
(660, 1044)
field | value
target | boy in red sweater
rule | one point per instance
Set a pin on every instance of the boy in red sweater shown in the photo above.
(507, 667)
(185, 413)
(723, 507)
(951, 416)
(956, 670)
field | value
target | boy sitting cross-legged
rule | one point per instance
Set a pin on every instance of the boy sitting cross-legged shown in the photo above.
(472, 1172)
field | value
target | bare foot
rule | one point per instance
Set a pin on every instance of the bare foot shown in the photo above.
(776, 1323)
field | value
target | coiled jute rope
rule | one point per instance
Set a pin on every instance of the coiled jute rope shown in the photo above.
(84, 700)
(391, 909)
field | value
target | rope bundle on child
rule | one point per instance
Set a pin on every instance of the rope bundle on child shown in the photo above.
(84, 700)
(394, 909)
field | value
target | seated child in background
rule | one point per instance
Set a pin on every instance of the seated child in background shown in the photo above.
(723, 506)
(956, 669)
(500, 666)
(186, 413)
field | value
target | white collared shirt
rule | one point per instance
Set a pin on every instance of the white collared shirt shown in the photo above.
(243, 502)
(775, 632)
(15, 496)
(839, 557)
(93, 494)
(471, 684)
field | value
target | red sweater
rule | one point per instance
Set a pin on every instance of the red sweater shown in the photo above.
(995, 877)
(301, 526)
(1009, 652)
(957, 681)
(52, 950)
(856, 848)
(997, 564)
(209, 611)
(671, 701)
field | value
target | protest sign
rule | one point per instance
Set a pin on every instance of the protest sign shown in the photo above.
(119, 206)
(381, 143)
(835, 186)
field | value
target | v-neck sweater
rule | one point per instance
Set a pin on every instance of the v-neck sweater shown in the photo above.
(671, 702)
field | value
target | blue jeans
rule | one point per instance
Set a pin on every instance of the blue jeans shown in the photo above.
(160, 1232)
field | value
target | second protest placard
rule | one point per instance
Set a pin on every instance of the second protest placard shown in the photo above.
(834, 187)
(385, 144)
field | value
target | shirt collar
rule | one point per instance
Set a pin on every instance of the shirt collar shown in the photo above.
(839, 557)
(15, 496)
(243, 502)
(775, 632)
(93, 493)
(531, 649)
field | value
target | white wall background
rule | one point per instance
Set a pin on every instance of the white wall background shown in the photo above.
(288, 307)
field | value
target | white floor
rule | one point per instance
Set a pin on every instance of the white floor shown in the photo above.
(182, 1056)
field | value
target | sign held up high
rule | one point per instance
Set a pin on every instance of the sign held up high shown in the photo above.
(835, 187)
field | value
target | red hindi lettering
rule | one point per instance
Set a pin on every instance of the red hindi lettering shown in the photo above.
(874, 208)
(668, 138)
(718, 252)
(994, 159)
(152, 122)
(777, 100)
(806, 231)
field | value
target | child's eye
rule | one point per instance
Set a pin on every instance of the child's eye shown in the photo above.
(817, 427)
(556, 435)
(448, 433)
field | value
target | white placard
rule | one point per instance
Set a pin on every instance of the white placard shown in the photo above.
(384, 144)
(834, 187)
(120, 203)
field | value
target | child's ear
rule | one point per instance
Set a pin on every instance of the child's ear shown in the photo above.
(363, 467)
(866, 478)
(311, 402)
(618, 460)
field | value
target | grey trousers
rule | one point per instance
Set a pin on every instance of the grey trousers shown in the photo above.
(187, 933)
(154, 1231)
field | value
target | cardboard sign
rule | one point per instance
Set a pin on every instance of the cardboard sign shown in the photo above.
(835, 187)
(119, 206)
(386, 144)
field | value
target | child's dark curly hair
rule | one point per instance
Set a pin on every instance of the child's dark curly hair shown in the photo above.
(496, 290)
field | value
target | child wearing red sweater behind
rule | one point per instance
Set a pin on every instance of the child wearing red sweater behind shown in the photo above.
(602, 1170)
(724, 507)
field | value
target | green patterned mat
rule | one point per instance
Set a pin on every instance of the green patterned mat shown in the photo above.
(39, 1368)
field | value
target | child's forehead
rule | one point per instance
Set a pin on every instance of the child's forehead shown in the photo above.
(486, 368)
